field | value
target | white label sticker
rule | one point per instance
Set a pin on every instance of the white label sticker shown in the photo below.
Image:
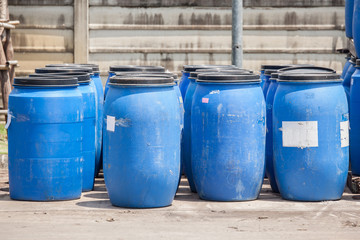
(110, 123)
(344, 133)
(300, 134)
(180, 100)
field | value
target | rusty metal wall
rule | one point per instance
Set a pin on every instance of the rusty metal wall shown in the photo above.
(177, 32)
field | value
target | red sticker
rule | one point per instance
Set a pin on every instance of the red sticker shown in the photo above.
(205, 100)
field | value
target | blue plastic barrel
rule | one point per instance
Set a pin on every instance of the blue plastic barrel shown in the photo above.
(262, 77)
(130, 68)
(349, 12)
(266, 71)
(346, 66)
(178, 93)
(269, 136)
(355, 121)
(228, 137)
(44, 136)
(269, 115)
(355, 25)
(186, 144)
(311, 136)
(96, 79)
(347, 79)
(99, 107)
(184, 82)
(88, 91)
(141, 142)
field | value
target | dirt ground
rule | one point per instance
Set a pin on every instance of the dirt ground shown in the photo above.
(93, 217)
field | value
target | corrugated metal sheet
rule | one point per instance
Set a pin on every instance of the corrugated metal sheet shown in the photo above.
(191, 35)
(177, 32)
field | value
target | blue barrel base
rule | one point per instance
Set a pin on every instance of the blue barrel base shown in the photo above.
(137, 207)
(228, 200)
(296, 199)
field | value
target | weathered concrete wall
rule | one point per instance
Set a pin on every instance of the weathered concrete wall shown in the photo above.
(177, 32)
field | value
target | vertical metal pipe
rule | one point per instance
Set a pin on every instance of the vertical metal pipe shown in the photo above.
(237, 32)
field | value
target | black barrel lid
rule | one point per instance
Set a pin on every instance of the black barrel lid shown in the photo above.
(46, 81)
(148, 74)
(275, 75)
(141, 80)
(193, 68)
(309, 77)
(274, 67)
(269, 72)
(63, 69)
(81, 76)
(305, 69)
(94, 67)
(134, 68)
(227, 78)
(352, 60)
(224, 71)
(357, 63)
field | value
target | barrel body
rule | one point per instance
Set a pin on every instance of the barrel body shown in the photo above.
(186, 145)
(345, 69)
(356, 26)
(89, 135)
(347, 80)
(269, 135)
(99, 119)
(355, 123)
(228, 141)
(182, 112)
(349, 14)
(45, 147)
(311, 142)
(262, 78)
(266, 85)
(141, 145)
(184, 83)
(111, 74)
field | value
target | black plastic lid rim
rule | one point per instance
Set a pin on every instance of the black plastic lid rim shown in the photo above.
(45, 82)
(62, 69)
(357, 63)
(82, 77)
(193, 68)
(142, 81)
(305, 68)
(309, 78)
(225, 78)
(147, 74)
(225, 72)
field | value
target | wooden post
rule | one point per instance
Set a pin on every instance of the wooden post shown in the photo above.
(7, 72)
(81, 31)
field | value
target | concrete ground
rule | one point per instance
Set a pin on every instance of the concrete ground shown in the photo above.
(93, 217)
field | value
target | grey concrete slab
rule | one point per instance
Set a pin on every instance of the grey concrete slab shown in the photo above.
(93, 217)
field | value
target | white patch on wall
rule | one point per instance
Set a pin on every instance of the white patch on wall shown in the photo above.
(110, 123)
(344, 133)
(300, 134)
